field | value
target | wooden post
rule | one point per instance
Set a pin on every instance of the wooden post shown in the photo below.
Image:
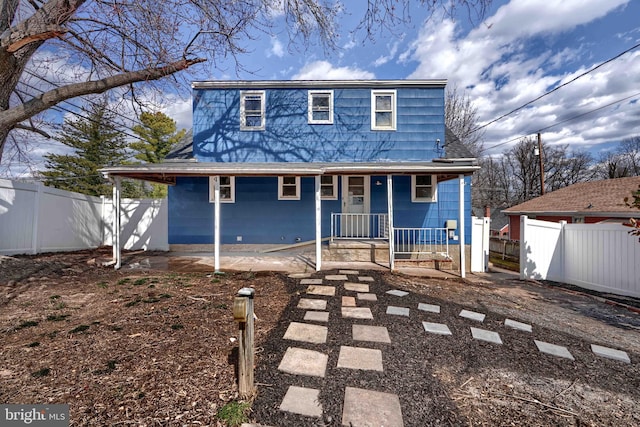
(541, 165)
(243, 314)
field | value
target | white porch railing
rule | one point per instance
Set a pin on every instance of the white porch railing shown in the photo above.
(421, 241)
(359, 226)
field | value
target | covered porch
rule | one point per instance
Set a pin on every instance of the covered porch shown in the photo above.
(373, 229)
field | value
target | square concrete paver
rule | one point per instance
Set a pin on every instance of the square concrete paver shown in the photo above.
(397, 293)
(300, 275)
(484, 335)
(479, 317)
(366, 359)
(303, 401)
(306, 332)
(371, 408)
(367, 297)
(354, 272)
(336, 277)
(514, 324)
(312, 304)
(436, 328)
(348, 301)
(370, 333)
(311, 282)
(356, 287)
(357, 313)
(365, 278)
(300, 361)
(321, 290)
(553, 349)
(316, 316)
(429, 307)
(398, 311)
(610, 353)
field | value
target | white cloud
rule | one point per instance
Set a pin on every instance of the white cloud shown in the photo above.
(383, 59)
(324, 70)
(276, 48)
(495, 64)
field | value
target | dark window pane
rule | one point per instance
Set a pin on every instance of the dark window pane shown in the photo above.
(225, 193)
(254, 121)
(326, 179)
(423, 192)
(326, 191)
(383, 102)
(383, 119)
(291, 180)
(289, 191)
(320, 101)
(225, 180)
(423, 180)
(252, 104)
(321, 115)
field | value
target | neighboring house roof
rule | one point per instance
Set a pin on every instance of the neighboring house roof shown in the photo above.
(595, 198)
(498, 220)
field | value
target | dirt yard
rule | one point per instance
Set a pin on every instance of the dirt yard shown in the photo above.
(147, 348)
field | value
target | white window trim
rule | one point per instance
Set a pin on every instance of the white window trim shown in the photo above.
(394, 109)
(243, 118)
(310, 95)
(212, 194)
(280, 188)
(334, 183)
(434, 193)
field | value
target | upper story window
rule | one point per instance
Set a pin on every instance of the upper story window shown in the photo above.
(329, 187)
(288, 188)
(423, 188)
(320, 107)
(252, 110)
(383, 110)
(227, 189)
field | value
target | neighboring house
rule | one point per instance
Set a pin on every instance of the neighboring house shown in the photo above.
(585, 202)
(283, 162)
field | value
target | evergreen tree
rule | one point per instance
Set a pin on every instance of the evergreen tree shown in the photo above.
(158, 135)
(96, 143)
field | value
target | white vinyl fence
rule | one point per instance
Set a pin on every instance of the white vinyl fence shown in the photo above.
(601, 257)
(480, 244)
(36, 219)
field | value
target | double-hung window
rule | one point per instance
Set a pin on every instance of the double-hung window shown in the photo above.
(227, 189)
(288, 188)
(320, 107)
(383, 110)
(329, 187)
(423, 188)
(252, 115)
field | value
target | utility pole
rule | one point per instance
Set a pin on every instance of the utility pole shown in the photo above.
(541, 164)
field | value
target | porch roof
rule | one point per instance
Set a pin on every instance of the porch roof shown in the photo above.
(167, 172)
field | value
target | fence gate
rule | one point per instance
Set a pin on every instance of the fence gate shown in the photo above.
(479, 244)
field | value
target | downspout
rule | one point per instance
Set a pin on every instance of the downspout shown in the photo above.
(463, 259)
(216, 223)
(318, 224)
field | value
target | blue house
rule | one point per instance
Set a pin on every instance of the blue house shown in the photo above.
(293, 162)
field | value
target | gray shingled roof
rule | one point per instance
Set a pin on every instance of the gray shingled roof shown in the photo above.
(454, 148)
(184, 149)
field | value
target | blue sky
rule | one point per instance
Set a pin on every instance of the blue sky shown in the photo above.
(519, 51)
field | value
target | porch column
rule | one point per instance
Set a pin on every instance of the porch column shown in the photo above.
(216, 223)
(115, 237)
(318, 225)
(461, 238)
(390, 218)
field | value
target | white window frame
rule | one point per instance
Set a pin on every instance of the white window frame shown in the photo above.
(281, 195)
(243, 113)
(212, 188)
(311, 95)
(334, 184)
(394, 109)
(434, 191)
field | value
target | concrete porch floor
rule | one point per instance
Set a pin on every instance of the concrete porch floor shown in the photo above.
(234, 258)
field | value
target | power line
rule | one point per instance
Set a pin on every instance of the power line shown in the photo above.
(563, 121)
(554, 89)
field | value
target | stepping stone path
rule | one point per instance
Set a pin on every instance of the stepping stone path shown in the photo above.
(372, 407)
(361, 407)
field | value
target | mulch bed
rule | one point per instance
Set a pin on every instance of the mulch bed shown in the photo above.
(452, 380)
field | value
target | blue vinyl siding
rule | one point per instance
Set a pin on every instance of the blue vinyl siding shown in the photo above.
(259, 217)
(289, 137)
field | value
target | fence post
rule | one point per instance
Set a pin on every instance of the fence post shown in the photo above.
(35, 226)
(243, 314)
(563, 250)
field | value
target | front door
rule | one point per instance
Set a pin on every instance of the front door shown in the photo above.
(355, 206)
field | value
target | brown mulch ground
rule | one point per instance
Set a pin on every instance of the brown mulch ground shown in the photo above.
(157, 348)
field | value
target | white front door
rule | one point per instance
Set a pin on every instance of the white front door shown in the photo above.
(355, 206)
